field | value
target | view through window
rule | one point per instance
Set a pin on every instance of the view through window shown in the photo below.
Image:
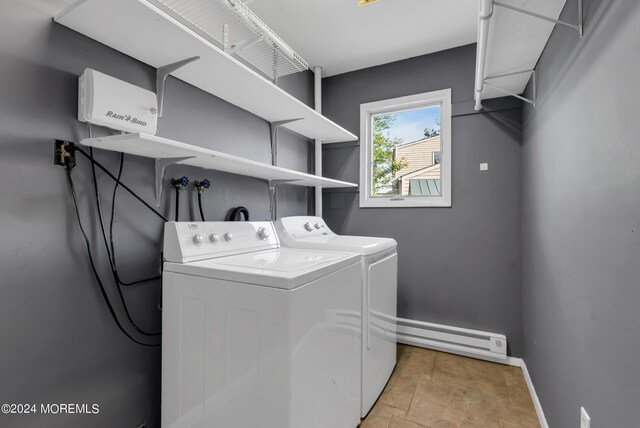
(407, 151)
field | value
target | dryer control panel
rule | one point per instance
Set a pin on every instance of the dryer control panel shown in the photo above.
(189, 241)
(303, 226)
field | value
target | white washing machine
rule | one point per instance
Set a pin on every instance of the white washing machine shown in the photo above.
(379, 264)
(254, 335)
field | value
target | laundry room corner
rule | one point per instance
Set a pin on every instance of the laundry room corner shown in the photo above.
(458, 266)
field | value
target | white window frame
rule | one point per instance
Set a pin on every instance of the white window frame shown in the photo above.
(367, 110)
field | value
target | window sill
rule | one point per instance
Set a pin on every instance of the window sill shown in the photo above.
(407, 202)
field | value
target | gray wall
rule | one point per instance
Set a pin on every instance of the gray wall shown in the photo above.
(581, 220)
(59, 344)
(461, 265)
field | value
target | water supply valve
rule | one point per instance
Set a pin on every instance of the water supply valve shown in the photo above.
(180, 182)
(200, 186)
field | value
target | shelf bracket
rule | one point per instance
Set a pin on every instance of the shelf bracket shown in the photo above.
(161, 78)
(273, 196)
(273, 128)
(531, 101)
(273, 192)
(161, 164)
(578, 27)
(237, 47)
(504, 91)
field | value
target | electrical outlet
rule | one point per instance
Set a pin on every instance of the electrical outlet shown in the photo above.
(484, 167)
(585, 420)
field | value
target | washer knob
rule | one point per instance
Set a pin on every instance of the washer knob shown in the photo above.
(308, 226)
(214, 237)
(317, 225)
(228, 236)
(197, 239)
(263, 233)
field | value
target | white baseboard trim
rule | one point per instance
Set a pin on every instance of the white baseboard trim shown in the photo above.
(468, 343)
(536, 401)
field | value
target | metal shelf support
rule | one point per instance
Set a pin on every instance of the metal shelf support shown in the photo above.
(531, 101)
(273, 196)
(578, 27)
(273, 191)
(273, 128)
(161, 78)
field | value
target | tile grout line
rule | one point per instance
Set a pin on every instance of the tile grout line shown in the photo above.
(495, 400)
(433, 365)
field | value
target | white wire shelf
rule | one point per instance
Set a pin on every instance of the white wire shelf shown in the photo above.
(511, 37)
(167, 152)
(234, 28)
(149, 34)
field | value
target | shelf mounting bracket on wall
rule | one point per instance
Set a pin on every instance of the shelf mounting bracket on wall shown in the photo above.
(161, 164)
(273, 194)
(273, 128)
(531, 100)
(578, 27)
(161, 78)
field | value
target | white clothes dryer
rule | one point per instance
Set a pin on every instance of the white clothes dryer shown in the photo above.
(379, 265)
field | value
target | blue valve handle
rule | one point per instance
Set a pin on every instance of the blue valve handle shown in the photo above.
(204, 184)
(182, 181)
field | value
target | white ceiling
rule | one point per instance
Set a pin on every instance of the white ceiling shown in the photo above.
(341, 36)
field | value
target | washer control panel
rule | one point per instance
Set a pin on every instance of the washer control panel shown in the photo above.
(190, 241)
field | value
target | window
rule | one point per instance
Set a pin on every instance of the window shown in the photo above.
(405, 151)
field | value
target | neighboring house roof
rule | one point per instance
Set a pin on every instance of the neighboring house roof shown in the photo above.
(422, 182)
(422, 140)
(424, 187)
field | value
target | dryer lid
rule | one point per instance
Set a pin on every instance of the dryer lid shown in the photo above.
(362, 245)
(312, 233)
(284, 268)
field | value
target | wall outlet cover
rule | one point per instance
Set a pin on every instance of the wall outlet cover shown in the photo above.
(585, 420)
(484, 167)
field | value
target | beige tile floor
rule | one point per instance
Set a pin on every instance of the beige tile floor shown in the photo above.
(430, 389)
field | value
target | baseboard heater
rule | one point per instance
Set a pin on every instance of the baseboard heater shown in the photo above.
(455, 340)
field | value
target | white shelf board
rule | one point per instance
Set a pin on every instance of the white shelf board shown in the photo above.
(151, 146)
(146, 33)
(515, 43)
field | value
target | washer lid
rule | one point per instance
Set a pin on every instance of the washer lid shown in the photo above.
(284, 268)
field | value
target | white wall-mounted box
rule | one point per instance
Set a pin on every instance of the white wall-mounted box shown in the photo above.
(106, 101)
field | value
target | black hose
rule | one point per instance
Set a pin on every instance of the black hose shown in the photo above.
(200, 206)
(125, 187)
(93, 266)
(111, 221)
(104, 237)
(177, 202)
